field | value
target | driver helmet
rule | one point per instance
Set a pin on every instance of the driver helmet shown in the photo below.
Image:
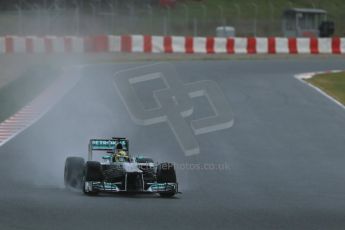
(119, 146)
(120, 151)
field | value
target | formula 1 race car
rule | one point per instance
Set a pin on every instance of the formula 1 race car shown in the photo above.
(120, 174)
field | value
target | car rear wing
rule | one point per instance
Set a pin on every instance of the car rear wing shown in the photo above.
(108, 145)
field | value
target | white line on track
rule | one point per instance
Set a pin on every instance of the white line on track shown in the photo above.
(38, 107)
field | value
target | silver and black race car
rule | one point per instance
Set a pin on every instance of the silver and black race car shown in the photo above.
(127, 174)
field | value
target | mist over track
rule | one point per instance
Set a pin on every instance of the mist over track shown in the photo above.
(285, 154)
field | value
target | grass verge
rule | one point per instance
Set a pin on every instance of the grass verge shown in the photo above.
(331, 83)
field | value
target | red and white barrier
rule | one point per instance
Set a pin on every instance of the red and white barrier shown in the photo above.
(171, 44)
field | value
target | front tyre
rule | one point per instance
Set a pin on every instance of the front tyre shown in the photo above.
(166, 174)
(93, 173)
(74, 172)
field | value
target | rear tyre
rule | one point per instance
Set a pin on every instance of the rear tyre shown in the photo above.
(74, 172)
(166, 174)
(93, 173)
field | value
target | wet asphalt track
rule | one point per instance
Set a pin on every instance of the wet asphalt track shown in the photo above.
(285, 153)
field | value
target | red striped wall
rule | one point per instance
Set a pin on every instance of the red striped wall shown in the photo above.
(171, 44)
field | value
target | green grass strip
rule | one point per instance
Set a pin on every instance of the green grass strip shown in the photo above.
(331, 83)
